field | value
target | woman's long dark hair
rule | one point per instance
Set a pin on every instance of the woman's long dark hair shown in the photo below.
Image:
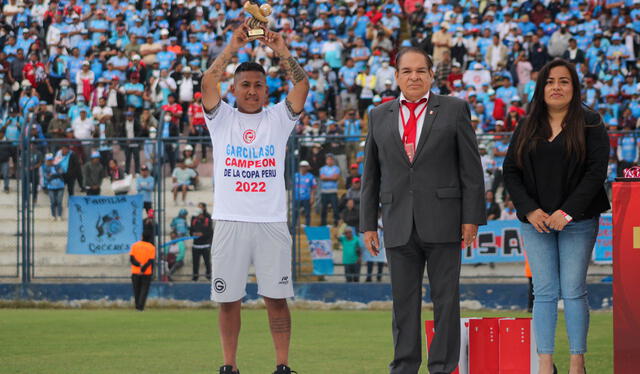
(536, 125)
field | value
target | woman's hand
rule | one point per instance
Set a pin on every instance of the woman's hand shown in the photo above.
(538, 219)
(556, 221)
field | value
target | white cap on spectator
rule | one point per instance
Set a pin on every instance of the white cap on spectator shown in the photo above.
(26, 83)
(188, 147)
(135, 57)
(164, 32)
(304, 163)
(388, 81)
(186, 70)
(85, 63)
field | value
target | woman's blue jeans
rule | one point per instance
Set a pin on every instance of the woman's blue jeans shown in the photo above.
(559, 262)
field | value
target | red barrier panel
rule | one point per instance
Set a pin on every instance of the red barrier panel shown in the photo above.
(626, 277)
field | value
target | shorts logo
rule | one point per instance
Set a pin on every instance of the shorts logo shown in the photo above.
(219, 285)
(284, 280)
(249, 136)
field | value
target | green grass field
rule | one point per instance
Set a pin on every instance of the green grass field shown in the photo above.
(45, 341)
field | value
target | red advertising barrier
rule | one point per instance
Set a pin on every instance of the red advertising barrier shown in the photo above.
(494, 346)
(626, 277)
(517, 347)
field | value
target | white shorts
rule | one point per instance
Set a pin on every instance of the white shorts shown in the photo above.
(238, 245)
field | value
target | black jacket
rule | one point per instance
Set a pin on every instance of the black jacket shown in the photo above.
(203, 225)
(586, 180)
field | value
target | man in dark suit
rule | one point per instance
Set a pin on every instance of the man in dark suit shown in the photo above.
(423, 165)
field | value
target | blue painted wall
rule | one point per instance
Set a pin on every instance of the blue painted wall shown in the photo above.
(494, 296)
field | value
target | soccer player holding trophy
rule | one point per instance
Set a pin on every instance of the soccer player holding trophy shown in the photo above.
(250, 205)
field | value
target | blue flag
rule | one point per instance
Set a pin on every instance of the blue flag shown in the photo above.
(321, 249)
(104, 225)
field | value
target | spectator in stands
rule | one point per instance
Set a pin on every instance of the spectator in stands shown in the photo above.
(53, 178)
(71, 167)
(202, 227)
(353, 129)
(12, 127)
(116, 174)
(179, 224)
(145, 184)
(182, 179)
(366, 82)
(389, 93)
(64, 97)
(351, 252)
(36, 159)
(5, 156)
(197, 126)
(304, 193)
(329, 177)
(509, 211)
(316, 159)
(93, 172)
(131, 146)
(441, 40)
(354, 172)
(350, 214)
(174, 256)
(493, 208)
(83, 126)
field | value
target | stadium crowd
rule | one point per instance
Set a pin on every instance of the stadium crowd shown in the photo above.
(92, 82)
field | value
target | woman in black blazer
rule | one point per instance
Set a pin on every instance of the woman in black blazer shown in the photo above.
(555, 170)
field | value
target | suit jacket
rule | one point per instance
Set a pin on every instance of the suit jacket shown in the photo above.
(440, 190)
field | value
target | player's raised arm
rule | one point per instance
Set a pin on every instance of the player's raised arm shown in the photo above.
(212, 77)
(298, 95)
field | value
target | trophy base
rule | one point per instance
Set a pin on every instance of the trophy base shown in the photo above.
(255, 33)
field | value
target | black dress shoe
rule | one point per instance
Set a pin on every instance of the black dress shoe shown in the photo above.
(283, 369)
(228, 369)
(555, 369)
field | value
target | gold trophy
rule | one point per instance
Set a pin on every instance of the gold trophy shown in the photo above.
(258, 19)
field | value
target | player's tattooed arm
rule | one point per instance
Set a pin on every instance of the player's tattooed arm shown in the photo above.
(295, 71)
(298, 94)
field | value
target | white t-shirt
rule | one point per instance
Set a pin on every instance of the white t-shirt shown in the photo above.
(83, 129)
(248, 169)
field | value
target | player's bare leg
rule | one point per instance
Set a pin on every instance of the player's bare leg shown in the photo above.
(229, 325)
(280, 325)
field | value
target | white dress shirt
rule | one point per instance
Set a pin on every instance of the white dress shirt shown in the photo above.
(406, 112)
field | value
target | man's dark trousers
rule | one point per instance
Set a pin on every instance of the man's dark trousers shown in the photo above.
(141, 284)
(406, 264)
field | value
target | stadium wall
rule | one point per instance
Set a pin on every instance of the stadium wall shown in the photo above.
(491, 296)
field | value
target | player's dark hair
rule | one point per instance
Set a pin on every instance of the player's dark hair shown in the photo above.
(421, 51)
(249, 66)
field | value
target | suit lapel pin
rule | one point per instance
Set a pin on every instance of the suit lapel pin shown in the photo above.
(431, 112)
